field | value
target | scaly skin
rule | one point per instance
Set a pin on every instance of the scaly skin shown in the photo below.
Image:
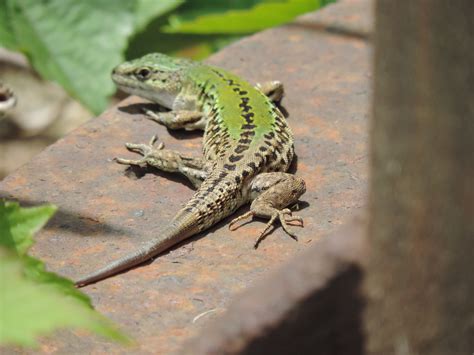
(248, 147)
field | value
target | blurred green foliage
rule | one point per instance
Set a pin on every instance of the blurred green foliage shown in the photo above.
(77, 43)
(35, 302)
(262, 15)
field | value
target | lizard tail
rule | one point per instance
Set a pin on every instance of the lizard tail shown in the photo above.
(178, 230)
(214, 200)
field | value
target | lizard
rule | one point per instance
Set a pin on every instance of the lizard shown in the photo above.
(247, 149)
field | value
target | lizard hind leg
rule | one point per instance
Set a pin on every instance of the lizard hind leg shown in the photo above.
(273, 89)
(271, 194)
(179, 119)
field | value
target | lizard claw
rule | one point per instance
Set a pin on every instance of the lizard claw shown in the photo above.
(153, 140)
(139, 162)
(235, 220)
(284, 216)
(288, 217)
(143, 149)
(151, 115)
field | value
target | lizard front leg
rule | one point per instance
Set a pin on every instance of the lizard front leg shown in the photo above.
(179, 119)
(195, 120)
(167, 160)
(271, 194)
(273, 89)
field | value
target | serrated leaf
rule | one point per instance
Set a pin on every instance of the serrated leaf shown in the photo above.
(17, 225)
(34, 270)
(30, 309)
(33, 301)
(75, 43)
(259, 17)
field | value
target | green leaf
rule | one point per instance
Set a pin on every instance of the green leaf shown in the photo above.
(30, 309)
(147, 10)
(75, 43)
(17, 225)
(7, 37)
(33, 301)
(152, 39)
(192, 9)
(34, 270)
(192, 46)
(263, 15)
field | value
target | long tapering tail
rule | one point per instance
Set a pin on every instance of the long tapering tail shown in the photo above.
(214, 200)
(180, 228)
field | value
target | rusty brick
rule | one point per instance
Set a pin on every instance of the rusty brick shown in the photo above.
(312, 305)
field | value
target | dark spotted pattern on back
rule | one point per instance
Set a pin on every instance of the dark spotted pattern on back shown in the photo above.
(241, 152)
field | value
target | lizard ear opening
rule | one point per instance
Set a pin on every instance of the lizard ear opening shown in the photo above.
(143, 73)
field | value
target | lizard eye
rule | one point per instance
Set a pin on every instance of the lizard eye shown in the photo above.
(143, 74)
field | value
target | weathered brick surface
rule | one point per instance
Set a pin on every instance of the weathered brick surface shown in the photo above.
(106, 210)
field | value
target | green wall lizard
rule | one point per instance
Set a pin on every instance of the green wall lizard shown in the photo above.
(248, 148)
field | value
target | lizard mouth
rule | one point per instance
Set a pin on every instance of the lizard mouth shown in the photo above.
(128, 85)
(132, 87)
(121, 81)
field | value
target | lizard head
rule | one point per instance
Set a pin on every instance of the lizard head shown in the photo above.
(156, 77)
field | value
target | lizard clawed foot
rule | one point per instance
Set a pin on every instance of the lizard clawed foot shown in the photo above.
(151, 115)
(285, 216)
(144, 149)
